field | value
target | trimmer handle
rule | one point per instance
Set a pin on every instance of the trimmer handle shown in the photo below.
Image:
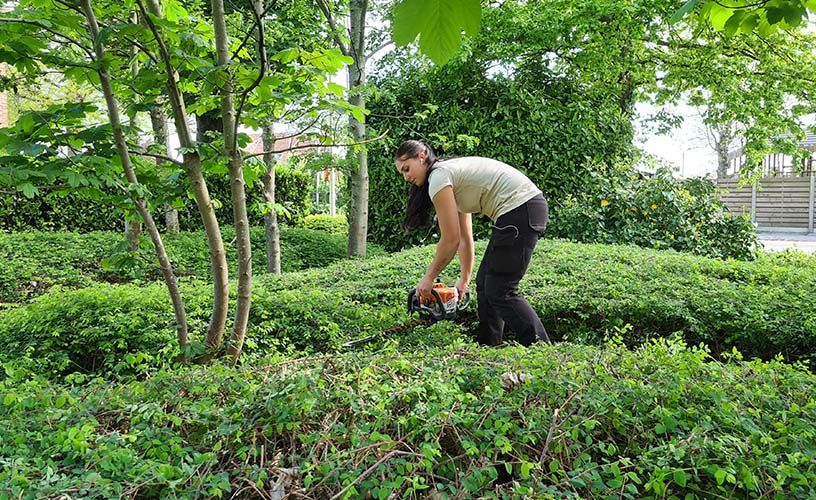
(437, 309)
(437, 312)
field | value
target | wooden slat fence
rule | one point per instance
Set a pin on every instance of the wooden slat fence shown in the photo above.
(778, 203)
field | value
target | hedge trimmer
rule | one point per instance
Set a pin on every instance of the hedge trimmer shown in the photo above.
(444, 304)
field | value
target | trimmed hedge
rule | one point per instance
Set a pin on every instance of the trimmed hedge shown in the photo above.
(561, 421)
(336, 224)
(32, 262)
(583, 293)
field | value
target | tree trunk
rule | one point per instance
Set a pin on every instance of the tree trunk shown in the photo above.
(130, 174)
(171, 220)
(237, 189)
(358, 212)
(192, 163)
(722, 145)
(271, 228)
(133, 230)
(158, 119)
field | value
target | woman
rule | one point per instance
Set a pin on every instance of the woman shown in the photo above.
(457, 188)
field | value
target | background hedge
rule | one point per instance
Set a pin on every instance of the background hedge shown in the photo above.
(32, 262)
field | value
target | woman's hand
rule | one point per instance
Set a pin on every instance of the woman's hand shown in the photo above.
(423, 289)
(461, 287)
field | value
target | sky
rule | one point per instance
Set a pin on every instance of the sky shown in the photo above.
(686, 147)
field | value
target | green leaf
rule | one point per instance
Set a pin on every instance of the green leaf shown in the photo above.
(526, 467)
(682, 11)
(720, 476)
(680, 477)
(718, 15)
(775, 14)
(28, 189)
(734, 23)
(174, 11)
(749, 22)
(439, 24)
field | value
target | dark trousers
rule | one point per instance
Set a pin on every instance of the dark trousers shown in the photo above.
(505, 261)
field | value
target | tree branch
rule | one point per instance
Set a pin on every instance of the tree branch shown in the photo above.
(306, 146)
(84, 49)
(261, 70)
(324, 7)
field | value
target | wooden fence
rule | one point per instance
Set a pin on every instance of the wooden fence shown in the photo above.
(777, 204)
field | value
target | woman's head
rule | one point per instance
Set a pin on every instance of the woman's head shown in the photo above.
(415, 161)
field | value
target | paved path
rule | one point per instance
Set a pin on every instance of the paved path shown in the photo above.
(781, 241)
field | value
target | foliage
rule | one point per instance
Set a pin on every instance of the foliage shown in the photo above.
(560, 421)
(73, 211)
(33, 262)
(440, 25)
(335, 224)
(58, 211)
(654, 211)
(583, 293)
(293, 195)
(743, 16)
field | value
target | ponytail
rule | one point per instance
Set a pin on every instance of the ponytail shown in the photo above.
(418, 213)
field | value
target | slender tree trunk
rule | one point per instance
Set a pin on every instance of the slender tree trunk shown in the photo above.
(358, 213)
(237, 188)
(271, 228)
(192, 163)
(158, 119)
(133, 231)
(130, 174)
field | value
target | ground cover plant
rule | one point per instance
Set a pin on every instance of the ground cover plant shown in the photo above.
(564, 421)
(32, 262)
(583, 293)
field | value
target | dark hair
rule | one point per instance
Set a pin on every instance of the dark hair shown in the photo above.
(418, 213)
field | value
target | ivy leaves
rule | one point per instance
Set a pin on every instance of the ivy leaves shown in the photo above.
(438, 23)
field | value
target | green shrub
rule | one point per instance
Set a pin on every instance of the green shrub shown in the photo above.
(587, 292)
(583, 293)
(31, 262)
(662, 422)
(74, 212)
(624, 207)
(58, 212)
(94, 328)
(293, 192)
(335, 224)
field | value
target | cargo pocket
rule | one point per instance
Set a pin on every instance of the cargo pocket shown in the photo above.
(507, 252)
(538, 214)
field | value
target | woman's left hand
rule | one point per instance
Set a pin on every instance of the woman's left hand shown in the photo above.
(423, 289)
(461, 288)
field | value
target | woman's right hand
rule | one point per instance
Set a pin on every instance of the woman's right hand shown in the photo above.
(423, 289)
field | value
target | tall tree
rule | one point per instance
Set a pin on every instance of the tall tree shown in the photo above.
(356, 50)
(124, 156)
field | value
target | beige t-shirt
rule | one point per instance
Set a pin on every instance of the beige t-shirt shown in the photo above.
(482, 185)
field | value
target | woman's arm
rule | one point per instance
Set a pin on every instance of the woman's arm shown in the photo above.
(465, 252)
(448, 217)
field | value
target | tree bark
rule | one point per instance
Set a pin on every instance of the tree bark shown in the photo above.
(130, 174)
(192, 163)
(358, 212)
(133, 230)
(271, 228)
(237, 189)
(158, 119)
